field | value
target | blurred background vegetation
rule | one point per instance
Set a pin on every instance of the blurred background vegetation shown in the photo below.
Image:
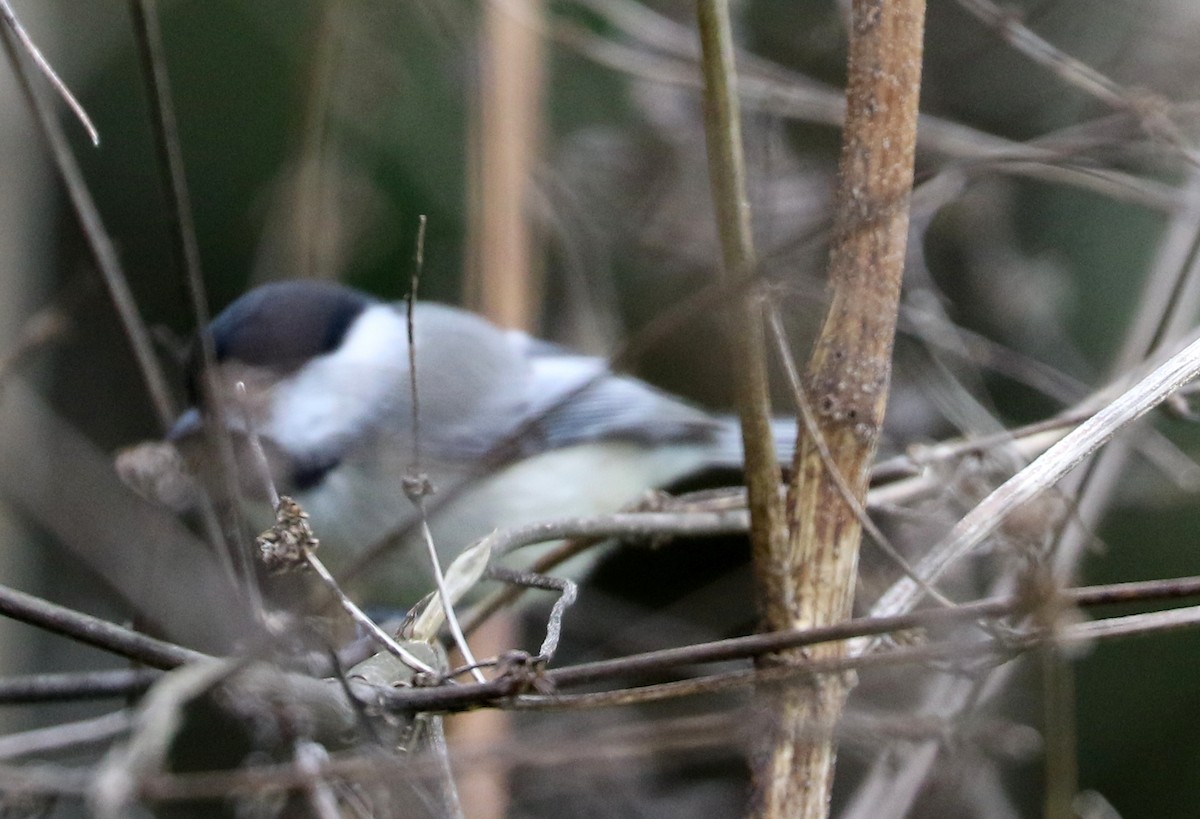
(315, 133)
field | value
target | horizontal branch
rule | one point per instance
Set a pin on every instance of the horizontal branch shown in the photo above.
(509, 691)
(76, 685)
(93, 631)
(67, 736)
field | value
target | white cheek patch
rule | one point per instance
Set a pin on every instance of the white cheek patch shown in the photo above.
(336, 398)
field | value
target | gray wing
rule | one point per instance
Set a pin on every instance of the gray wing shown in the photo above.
(573, 399)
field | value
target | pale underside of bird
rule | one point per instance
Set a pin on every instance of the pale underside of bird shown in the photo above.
(507, 429)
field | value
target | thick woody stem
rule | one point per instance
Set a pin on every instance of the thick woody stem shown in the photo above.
(847, 384)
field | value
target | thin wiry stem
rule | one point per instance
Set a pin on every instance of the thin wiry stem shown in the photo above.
(48, 71)
(97, 237)
(808, 418)
(93, 631)
(65, 736)
(1079, 74)
(567, 590)
(416, 485)
(75, 686)
(780, 92)
(148, 36)
(410, 307)
(1043, 473)
(359, 616)
(657, 663)
(315, 564)
(460, 639)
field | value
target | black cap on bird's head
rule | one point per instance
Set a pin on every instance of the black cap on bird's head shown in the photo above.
(279, 326)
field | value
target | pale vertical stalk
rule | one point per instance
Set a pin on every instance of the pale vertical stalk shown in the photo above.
(847, 382)
(503, 269)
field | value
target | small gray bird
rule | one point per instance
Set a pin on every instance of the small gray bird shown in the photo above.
(327, 391)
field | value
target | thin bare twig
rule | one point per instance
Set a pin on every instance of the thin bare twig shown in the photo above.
(410, 307)
(666, 660)
(66, 736)
(386, 640)
(292, 520)
(460, 639)
(452, 698)
(1043, 473)
(148, 36)
(567, 593)
(416, 484)
(1150, 111)
(97, 237)
(773, 89)
(75, 686)
(94, 631)
(48, 72)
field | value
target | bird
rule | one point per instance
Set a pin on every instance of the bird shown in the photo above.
(321, 375)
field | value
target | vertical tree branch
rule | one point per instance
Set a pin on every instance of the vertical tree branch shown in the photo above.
(722, 122)
(847, 381)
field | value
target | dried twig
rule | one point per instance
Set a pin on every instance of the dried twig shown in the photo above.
(65, 736)
(94, 631)
(97, 237)
(290, 543)
(666, 661)
(148, 36)
(76, 685)
(775, 90)
(1044, 472)
(48, 72)
(727, 171)
(417, 484)
(1150, 111)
